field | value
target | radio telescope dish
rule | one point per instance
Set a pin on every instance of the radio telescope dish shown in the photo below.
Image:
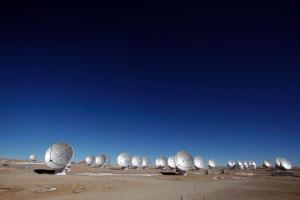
(146, 162)
(249, 164)
(240, 164)
(278, 162)
(163, 162)
(100, 160)
(171, 162)
(124, 160)
(33, 157)
(137, 161)
(231, 164)
(90, 160)
(285, 164)
(211, 164)
(253, 164)
(199, 162)
(184, 161)
(267, 164)
(59, 155)
(246, 165)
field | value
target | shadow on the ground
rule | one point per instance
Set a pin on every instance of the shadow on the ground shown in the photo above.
(44, 171)
(169, 173)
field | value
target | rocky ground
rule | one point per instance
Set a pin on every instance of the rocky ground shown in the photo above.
(18, 181)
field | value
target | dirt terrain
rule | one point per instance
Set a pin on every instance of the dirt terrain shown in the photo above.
(18, 181)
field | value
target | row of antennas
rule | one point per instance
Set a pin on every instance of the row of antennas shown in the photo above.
(59, 157)
(280, 163)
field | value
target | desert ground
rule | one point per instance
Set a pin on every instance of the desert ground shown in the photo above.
(19, 181)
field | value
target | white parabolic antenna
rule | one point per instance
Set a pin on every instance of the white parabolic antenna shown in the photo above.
(124, 160)
(267, 164)
(246, 165)
(171, 162)
(285, 164)
(231, 164)
(184, 161)
(278, 162)
(250, 164)
(211, 164)
(146, 162)
(100, 160)
(199, 162)
(240, 164)
(163, 162)
(59, 155)
(89, 159)
(33, 157)
(137, 161)
(253, 163)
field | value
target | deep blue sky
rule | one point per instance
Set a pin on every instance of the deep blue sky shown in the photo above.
(218, 80)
